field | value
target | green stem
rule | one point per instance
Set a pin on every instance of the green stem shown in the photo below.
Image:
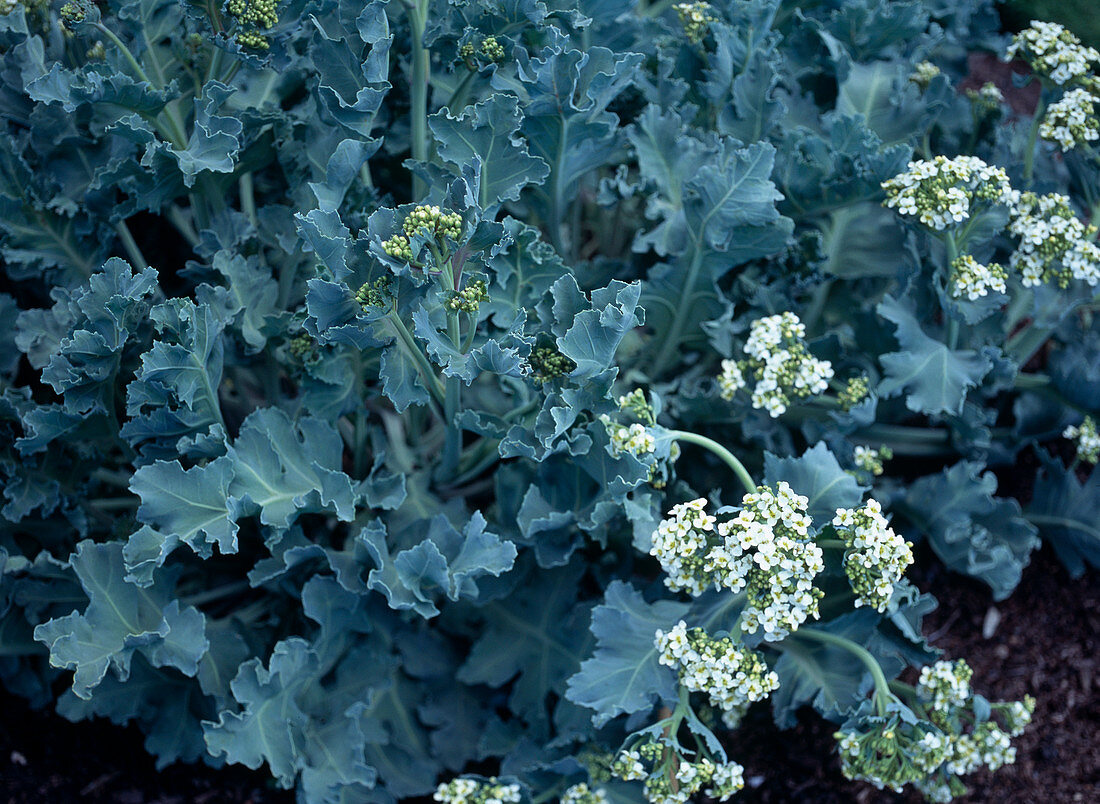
(210, 595)
(115, 503)
(175, 129)
(727, 457)
(359, 448)
(178, 218)
(672, 338)
(458, 98)
(882, 687)
(468, 341)
(1032, 139)
(952, 323)
(427, 373)
(248, 198)
(131, 246)
(1022, 346)
(831, 544)
(418, 91)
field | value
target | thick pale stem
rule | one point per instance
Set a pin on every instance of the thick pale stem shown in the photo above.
(131, 246)
(727, 457)
(1032, 140)
(882, 687)
(418, 91)
(672, 339)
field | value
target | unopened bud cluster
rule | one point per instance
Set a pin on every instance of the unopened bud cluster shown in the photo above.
(1055, 246)
(857, 389)
(254, 16)
(304, 348)
(490, 50)
(472, 791)
(942, 192)
(636, 404)
(1053, 52)
(548, 364)
(433, 223)
(469, 299)
(696, 19)
(972, 280)
(675, 779)
(780, 364)
(1087, 438)
(876, 557)
(871, 460)
(923, 74)
(987, 99)
(733, 676)
(1072, 121)
(374, 294)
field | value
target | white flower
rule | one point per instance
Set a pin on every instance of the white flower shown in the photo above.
(1087, 438)
(972, 280)
(779, 362)
(942, 192)
(1053, 51)
(1055, 246)
(876, 557)
(945, 684)
(583, 794)
(1071, 121)
(731, 675)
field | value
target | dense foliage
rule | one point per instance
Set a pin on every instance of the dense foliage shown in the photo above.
(496, 399)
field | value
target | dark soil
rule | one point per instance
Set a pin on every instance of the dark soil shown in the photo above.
(1043, 641)
(45, 759)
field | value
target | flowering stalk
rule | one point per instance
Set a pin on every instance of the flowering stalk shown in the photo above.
(727, 457)
(882, 686)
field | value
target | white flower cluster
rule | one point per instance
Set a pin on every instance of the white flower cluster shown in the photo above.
(1087, 438)
(678, 779)
(780, 364)
(635, 439)
(765, 549)
(1053, 51)
(731, 380)
(1017, 715)
(1055, 246)
(732, 676)
(696, 19)
(945, 685)
(986, 746)
(972, 280)
(681, 543)
(871, 460)
(583, 794)
(1072, 120)
(942, 192)
(923, 73)
(471, 791)
(875, 558)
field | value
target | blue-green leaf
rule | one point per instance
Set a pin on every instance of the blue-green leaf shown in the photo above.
(623, 676)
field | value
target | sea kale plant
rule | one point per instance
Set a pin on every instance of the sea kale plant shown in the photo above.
(495, 400)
